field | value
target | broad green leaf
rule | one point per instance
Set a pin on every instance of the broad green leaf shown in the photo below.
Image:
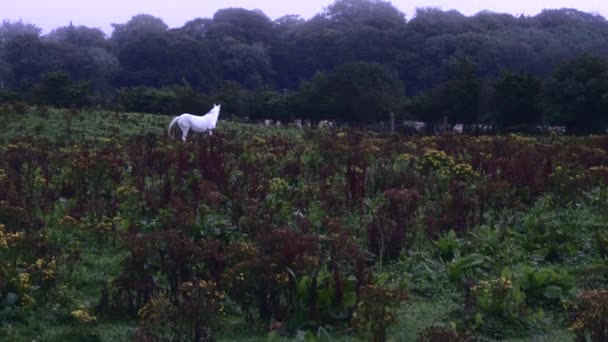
(553, 292)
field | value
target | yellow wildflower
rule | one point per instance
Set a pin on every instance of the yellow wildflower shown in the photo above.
(82, 315)
(3, 241)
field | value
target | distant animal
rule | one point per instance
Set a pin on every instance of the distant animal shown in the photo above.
(459, 128)
(326, 123)
(198, 124)
(416, 125)
(268, 123)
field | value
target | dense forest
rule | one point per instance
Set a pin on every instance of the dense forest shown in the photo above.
(357, 61)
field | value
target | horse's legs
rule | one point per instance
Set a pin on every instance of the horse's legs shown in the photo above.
(185, 133)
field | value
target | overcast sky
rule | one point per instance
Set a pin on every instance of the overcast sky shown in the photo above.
(49, 14)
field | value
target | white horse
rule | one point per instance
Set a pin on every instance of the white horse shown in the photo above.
(199, 124)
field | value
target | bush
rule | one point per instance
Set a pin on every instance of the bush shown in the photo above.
(57, 89)
(171, 101)
(590, 321)
(146, 100)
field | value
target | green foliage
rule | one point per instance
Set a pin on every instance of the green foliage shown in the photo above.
(461, 95)
(578, 93)
(448, 245)
(440, 334)
(460, 265)
(375, 310)
(590, 313)
(119, 232)
(517, 100)
(354, 92)
(173, 101)
(550, 234)
(378, 14)
(320, 293)
(351, 62)
(56, 89)
(541, 286)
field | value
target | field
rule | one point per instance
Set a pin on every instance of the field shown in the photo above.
(111, 231)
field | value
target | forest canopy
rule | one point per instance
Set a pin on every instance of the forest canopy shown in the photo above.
(490, 67)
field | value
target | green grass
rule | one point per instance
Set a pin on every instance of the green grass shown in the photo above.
(60, 125)
(81, 287)
(77, 287)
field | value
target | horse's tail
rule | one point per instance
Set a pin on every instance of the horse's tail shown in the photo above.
(171, 125)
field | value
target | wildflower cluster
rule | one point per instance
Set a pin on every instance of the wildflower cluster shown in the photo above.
(278, 185)
(405, 158)
(599, 173)
(83, 316)
(104, 228)
(464, 171)
(491, 294)
(47, 270)
(590, 317)
(521, 139)
(376, 310)
(14, 238)
(3, 240)
(435, 160)
(25, 287)
(126, 191)
(154, 312)
(445, 165)
(68, 222)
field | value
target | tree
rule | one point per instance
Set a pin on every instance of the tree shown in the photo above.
(248, 27)
(249, 65)
(27, 56)
(313, 100)
(375, 13)
(234, 98)
(138, 25)
(80, 36)
(266, 56)
(461, 95)
(142, 46)
(353, 92)
(427, 106)
(57, 89)
(269, 104)
(283, 53)
(192, 61)
(197, 28)
(148, 100)
(577, 94)
(517, 100)
(431, 21)
(10, 30)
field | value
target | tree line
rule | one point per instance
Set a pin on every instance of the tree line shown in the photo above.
(356, 61)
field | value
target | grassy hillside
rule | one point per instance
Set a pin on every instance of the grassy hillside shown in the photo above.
(71, 126)
(110, 230)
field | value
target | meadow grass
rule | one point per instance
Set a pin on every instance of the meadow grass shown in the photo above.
(81, 283)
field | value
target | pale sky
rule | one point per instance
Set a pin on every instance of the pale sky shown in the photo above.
(49, 14)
